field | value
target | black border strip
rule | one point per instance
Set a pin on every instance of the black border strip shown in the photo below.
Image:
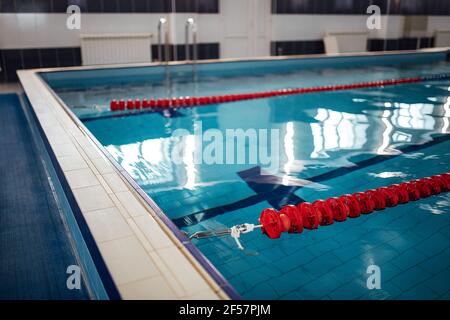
(111, 6)
(359, 7)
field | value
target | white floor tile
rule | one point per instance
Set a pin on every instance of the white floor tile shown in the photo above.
(115, 182)
(102, 165)
(184, 271)
(107, 224)
(131, 204)
(127, 260)
(72, 163)
(81, 178)
(153, 232)
(168, 275)
(153, 288)
(62, 150)
(92, 198)
(203, 295)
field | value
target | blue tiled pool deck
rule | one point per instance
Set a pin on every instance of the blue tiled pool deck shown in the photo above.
(35, 249)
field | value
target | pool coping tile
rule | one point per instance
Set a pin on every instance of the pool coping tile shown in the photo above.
(139, 250)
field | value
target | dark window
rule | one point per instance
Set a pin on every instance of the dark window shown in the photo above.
(403, 7)
(49, 57)
(31, 58)
(160, 5)
(186, 6)
(375, 44)
(125, 5)
(42, 5)
(7, 6)
(76, 56)
(208, 6)
(209, 51)
(81, 3)
(110, 6)
(25, 6)
(205, 51)
(13, 61)
(141, 6)
(95, 5)
(66, 57)
(408, 43)
(413, 7)
(281, 48)
(59, 6)
(392, 44)
(198, 6)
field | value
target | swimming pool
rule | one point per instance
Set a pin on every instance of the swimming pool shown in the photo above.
(343, 142)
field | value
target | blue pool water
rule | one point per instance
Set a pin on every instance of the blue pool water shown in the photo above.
(342, 142)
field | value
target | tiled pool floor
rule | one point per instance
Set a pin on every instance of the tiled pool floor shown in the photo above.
(410, 243)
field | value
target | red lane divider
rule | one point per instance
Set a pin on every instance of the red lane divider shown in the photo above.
(121, 105)
(293, 219)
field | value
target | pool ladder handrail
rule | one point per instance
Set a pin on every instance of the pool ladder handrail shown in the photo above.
(191, 25)
(161, 23)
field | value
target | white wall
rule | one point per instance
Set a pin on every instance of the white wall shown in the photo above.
(438, 23)
(287, 27)
(243, 27)
(43, 30)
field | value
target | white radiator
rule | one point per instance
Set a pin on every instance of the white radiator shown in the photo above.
(115, 48)
(442, 38)
(339, 42)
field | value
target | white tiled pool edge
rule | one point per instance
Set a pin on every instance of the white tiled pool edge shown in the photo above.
(145, 259)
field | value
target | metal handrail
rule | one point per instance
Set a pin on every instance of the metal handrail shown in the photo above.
(191, 25)
(162, 22)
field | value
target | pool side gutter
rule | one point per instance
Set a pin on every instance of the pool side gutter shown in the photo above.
(147, 256)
